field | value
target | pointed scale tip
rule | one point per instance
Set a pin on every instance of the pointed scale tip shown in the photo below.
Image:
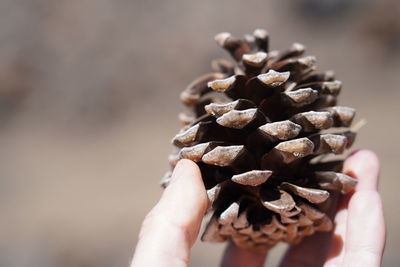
(222, 85)
(237, 119)
(329, 143)
(230, 214)
(274, 78)
(256, 60)
(223, 155)
(294, 149)
(281, 130)
(252, 178)
(300, 97)
(313, 120)
(311, 194)
(220, 38)
(213, 193)
(298, 47)
(308, 61)
(260, 33)
(196, 152)
(219, 109)
(335, 181)
(342, 116)
(283, 204)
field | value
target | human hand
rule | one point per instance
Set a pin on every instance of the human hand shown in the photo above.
(171, 227)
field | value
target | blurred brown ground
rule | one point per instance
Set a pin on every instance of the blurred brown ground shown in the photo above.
(88, 102)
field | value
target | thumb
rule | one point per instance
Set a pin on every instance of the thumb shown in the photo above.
(171, 227)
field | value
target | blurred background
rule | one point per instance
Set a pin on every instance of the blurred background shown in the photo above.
(89, 97)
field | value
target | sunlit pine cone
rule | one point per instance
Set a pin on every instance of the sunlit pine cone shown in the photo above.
(257, 129)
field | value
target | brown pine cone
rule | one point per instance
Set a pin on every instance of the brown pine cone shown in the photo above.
(257, 129)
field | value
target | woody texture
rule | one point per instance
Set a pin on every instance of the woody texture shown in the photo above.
(260, 129)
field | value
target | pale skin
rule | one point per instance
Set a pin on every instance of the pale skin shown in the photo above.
(171, 228)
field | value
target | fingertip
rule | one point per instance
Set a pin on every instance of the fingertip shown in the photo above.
(363, 165)
(186, 180)
(365, 158)
(171, 227)
(185, 167)
(182, 163)
(185, 196)
(189, 174)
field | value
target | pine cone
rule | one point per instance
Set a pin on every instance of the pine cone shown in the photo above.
(257, 130)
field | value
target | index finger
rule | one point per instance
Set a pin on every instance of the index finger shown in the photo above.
(171, 227)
